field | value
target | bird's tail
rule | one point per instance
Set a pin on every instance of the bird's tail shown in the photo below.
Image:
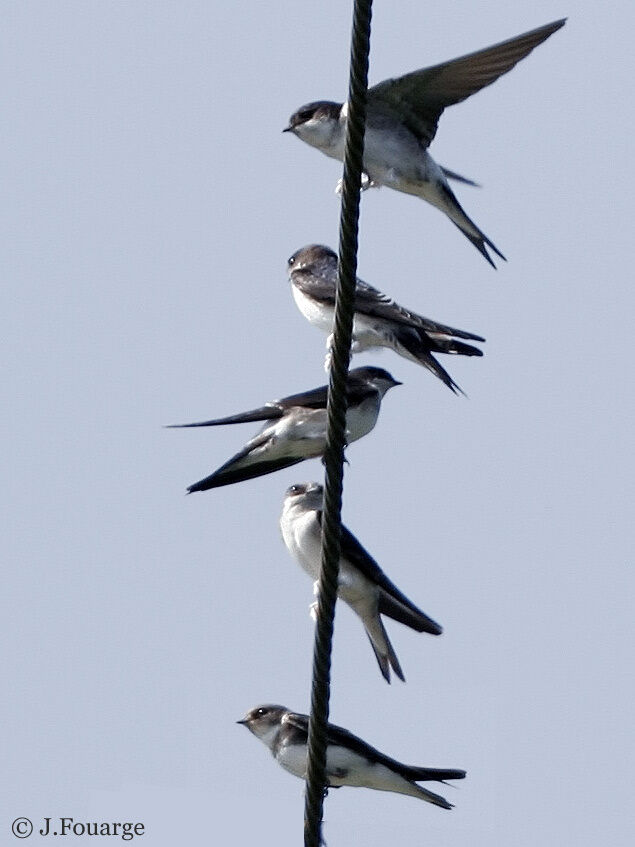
(383, 649)
(451, 345)
(430, 797)
(414, 775)
(420, 352)
(419, 345)
(448, 174)
(459, 218)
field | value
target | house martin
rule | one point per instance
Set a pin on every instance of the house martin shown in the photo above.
(378, 320)
(295, 428)
(401, 121)
(349, 760)
(362, 584)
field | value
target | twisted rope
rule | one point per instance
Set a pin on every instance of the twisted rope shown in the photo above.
(336, 424)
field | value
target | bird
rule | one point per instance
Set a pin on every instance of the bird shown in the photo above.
(349, 759)
(401, 122)
(378, 320)
(362, 584)
(295, 428)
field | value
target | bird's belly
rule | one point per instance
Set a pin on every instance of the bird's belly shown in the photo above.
(369, 333)
(399, 162)
(363, 774)
(292, 757)
(344, 767)
(355, 589)
(393, 155)
(303, 434)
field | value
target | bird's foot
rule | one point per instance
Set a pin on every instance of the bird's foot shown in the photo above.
(367, 183)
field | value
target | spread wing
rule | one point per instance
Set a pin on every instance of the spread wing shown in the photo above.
(421, 96)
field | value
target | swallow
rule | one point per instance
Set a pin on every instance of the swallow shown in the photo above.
(378, 320)
(349, 760)
(362, 584)
(295, 428)
(401, 122)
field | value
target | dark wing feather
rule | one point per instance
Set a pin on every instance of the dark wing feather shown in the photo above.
(343, 738)
(268, 412)
(433, 774)
(227, 474)
(228, 477)
(403, 614)
(316, 286)
(424, 94)
(370, 301)
(313, 399)
(352, 550)
(299, 721)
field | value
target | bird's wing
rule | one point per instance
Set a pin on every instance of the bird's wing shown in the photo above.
(423, 95)
(341, 737)
(260, 455)
(315, 398)
(353, 552)
(229, 473)
(298, 721)
(268, 412)
(372, 302)
(315, 286)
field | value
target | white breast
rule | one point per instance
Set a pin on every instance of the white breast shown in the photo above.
(301, 535)
(317, 314)
(361, 419)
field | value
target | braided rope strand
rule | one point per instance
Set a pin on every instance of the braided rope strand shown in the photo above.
(316, 780)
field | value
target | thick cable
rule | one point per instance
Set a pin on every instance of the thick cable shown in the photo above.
(316, 781)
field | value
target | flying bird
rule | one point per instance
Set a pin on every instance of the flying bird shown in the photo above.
(295, 428)
(401, 122)
(349, 760)
(378, 320)
(362, 584)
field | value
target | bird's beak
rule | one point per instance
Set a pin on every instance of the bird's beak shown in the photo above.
(243, 722)
(288, 129)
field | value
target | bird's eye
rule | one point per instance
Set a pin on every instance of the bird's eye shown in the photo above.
(295, 489)
(291, 261)
(306, 115)
(262, 711)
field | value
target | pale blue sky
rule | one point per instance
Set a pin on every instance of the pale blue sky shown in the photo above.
(150, 204)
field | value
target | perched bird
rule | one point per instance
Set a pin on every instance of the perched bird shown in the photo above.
(362, 584)
(378, 321)
(295, 428)
(401, 121)
(349, 760)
